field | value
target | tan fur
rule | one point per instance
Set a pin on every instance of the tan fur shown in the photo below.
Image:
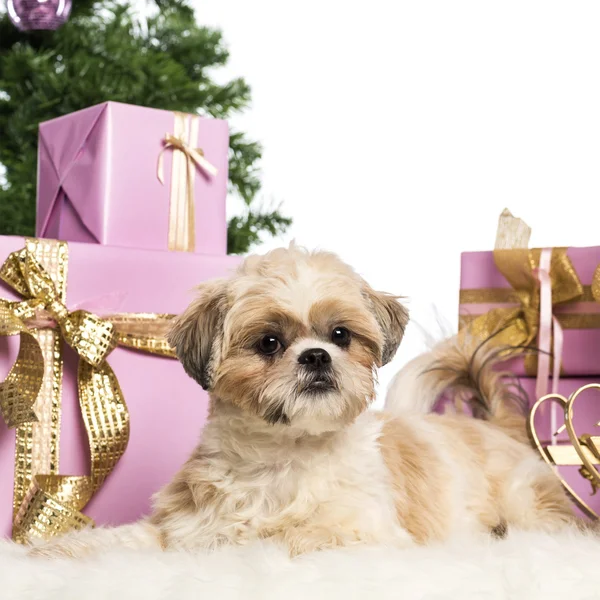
(298, 459)
(503, 479)
(518, 489)
(416, 472)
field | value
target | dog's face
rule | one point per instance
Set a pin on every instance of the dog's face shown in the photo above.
(293, 338)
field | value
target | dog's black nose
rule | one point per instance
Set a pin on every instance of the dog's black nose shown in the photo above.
(315, 358)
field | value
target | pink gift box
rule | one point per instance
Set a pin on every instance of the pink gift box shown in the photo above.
(167, 408)
(586, 415)
(98, 178)
(581, 349)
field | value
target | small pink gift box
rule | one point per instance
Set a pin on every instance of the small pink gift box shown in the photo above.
(125, 175)
(484, 288)
(167, 409)
(549, 419)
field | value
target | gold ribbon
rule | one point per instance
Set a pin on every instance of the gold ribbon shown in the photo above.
(44, 502)
(518, 326)
(182, 220)
(595, 287)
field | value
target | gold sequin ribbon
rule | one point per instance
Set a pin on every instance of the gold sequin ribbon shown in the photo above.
(518, 326)
(46, 503)
(186, 158)
(595, 287)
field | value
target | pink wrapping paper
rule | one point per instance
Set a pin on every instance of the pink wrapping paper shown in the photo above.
(581, 350)
(586, 415)
(167, 408)
(97, 179)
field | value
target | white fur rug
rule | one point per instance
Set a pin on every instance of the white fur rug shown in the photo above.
(525, 565)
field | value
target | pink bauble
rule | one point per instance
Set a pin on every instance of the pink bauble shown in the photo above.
(38, 14)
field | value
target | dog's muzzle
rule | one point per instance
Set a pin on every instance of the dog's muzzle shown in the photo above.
(315, 359)
(316, 371)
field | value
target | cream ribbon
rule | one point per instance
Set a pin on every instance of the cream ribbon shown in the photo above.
(186, 158)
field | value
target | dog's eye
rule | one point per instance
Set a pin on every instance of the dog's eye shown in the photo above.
(269, 344)
(340, 336)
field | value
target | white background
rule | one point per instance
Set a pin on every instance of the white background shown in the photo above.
(395, 132)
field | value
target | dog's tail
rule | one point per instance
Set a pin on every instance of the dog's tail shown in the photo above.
(464, 370)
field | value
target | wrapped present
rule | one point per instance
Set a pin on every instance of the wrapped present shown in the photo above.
(553, 439)
(130, 176)
(546, 299)
(95, 413)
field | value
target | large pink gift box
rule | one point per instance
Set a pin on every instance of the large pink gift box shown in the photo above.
(550, 417)
(167, 408)
(579, 318)
(98, 179)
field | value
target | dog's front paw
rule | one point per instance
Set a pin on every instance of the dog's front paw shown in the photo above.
(53, 550)
(305, 540)
(301, 540)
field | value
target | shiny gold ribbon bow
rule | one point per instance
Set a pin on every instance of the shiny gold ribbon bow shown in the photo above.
(46, 503)
(518, 326)
(182, 220)
(91, 337)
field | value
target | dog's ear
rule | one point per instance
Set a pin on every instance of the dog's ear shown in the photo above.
(392, 318)
(197, 333)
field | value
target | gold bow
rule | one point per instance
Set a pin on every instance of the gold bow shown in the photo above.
(518, 326)
(46, 503)
(91, 337)
(182, 220)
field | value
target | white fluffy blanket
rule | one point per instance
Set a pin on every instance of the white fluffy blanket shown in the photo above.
(525, 565)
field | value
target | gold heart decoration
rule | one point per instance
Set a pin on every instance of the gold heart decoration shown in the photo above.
(584, 450)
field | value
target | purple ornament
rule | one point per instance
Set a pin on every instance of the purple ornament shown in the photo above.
(38, 14)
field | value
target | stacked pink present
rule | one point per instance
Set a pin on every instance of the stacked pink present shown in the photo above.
(96, 415)
(545, 303)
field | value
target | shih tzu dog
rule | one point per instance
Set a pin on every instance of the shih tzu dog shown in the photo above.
(288, 349)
